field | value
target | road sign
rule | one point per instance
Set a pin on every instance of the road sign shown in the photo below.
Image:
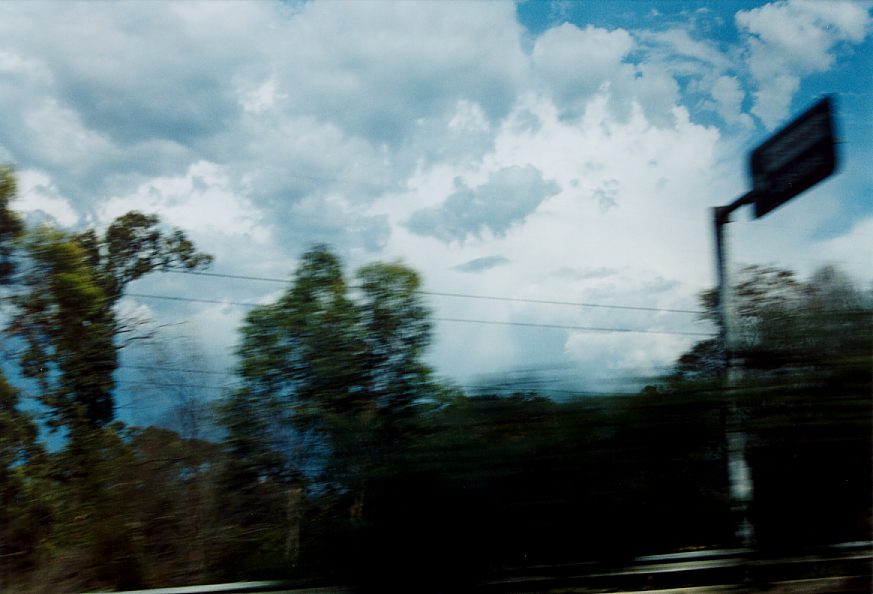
(789, 162)
(794, 159)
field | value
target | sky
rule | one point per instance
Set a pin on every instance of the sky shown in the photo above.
(531, 151)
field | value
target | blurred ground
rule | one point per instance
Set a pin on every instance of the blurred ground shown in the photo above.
(813, 586)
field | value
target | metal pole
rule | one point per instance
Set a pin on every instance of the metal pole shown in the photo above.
(721, 216)
(739, 475)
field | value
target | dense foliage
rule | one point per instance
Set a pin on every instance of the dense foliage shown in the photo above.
(341, 459)
(784, 324)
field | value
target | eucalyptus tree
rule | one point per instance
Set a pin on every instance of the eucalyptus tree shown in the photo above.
(328, 372)
(64, 308)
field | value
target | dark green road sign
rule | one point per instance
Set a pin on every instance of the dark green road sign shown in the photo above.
(794, 159)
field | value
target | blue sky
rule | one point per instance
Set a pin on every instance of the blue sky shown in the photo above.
(535, 151)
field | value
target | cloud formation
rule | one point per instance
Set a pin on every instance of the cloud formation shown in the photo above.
(505, 200)
(789, 40)
(574, 63)
(482, 264)
(581, 158)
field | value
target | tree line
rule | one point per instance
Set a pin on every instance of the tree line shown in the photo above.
(342, 459)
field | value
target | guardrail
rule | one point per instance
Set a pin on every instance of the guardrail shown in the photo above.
(705, 568)
(846, 567)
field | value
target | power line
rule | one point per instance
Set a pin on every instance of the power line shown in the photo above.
(467, 295)
(484, 388)
(178, 385)
(458, 320)
(175, 369)
(480, 388)
(498, 375)
(193, 299)
(488, 390)
(502, 389)
(232, 276)
(570, 303)
(568, 327)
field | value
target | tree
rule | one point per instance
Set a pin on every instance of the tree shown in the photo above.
(62, 292)
(21, 514)
(11, 226)
(65, 311)
(324, 375)
(23, 517)
(784, 323)
(133, 246)
(327, 363)
(175, 504)
(67, 324)
(704, 360)
(396, 329)
(302, 358)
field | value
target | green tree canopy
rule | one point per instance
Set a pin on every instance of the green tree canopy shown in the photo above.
(328, 366)
(11, 226)
(396, 330)
(64, 308)
(21, 523)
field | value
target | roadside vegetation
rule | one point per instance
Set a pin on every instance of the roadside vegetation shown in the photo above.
(342, 458)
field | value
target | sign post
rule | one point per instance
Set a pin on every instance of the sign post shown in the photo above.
(791, 161)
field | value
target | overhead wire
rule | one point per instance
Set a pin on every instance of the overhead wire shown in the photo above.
(597, 329)
(484, 389)
(572, 327)
(193, 299)
(180, 385)
(458, 320)
(466, 295)
(494, 382)
(487, 390)
(175, 369)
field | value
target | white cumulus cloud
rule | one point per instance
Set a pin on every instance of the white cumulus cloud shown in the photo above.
(789, 40)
